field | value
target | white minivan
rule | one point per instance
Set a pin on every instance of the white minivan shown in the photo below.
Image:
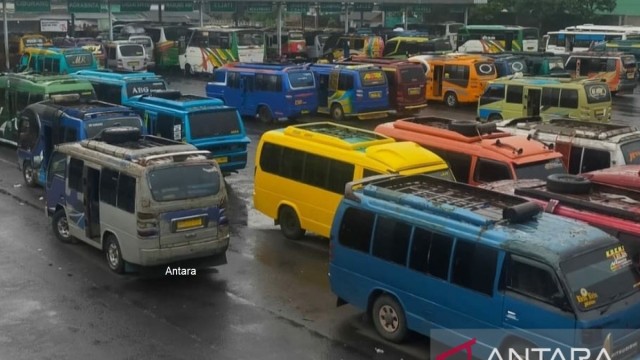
(126, 56)
(149, 48)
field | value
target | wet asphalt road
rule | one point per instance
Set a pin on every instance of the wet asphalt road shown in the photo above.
(271, 301)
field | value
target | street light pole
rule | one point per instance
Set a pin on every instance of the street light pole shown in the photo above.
(201, 13)
(6, 35)
(110, 21)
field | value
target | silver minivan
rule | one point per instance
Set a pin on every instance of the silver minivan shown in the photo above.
(145, 41)
(126, 56)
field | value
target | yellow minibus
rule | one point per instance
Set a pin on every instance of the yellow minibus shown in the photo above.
(301, 171)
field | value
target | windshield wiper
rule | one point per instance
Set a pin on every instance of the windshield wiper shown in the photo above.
(612, 299)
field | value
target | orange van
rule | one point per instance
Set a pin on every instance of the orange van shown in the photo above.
(478, 153)
(459, 78)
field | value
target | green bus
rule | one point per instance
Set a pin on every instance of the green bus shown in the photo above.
(19, 90)
(511, 38)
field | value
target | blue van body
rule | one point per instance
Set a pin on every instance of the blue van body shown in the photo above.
(267, 91)
(346, 90)
(55, 60)
(200, 121)
(118, 87)
(51, 122)
(456, 263)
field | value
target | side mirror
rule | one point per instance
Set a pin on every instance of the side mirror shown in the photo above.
(561, 302)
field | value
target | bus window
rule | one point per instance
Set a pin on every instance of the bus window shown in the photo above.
(29, 131)
(224, 123)
(550, 97)
(170, 127)
(457, 74)
(345, 82)
(57, 167)
(569, 98)
(514, 94)
(109, 93)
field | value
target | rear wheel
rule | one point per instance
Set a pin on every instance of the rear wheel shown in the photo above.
(113, 254)
(389, 319)
(495, 117)
(290, 224)
(337, 113)
(264, 115)
(29, 174)
(451, 99)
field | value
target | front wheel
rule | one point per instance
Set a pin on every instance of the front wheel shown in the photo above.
(113, 254)
(451, 99)
(264, 115)
(389, 319)
(29, 174)
(290, 224)
(337, 113)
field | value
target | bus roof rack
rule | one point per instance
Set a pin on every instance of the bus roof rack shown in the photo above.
(341, 136)
(575, 128)
(446, 198)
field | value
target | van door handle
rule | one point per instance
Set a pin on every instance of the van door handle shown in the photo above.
(511, 315)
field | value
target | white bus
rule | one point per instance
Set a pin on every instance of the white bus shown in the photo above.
(210, 47)
(567, 41)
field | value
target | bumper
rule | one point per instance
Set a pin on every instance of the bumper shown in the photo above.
(152, 257)
(371, 115)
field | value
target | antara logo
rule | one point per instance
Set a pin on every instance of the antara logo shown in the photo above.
(526, 353)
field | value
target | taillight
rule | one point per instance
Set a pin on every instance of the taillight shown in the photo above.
(147, 225)
(223, 222)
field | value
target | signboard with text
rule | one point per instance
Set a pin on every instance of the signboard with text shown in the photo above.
(259, 7)
(222, 6)
(327, 8)
(182, 6)
(362, 6)
(33, 6)
(53, 26)
(134, 6)
(299, 7)
(83, 6)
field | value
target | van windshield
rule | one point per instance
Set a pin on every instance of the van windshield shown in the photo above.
(631, 152)
(207, 124)
(601, 277)
(301, 79)
(131, 50)
(540, 169)
(184, 182)
(373, 78)
(93, 128)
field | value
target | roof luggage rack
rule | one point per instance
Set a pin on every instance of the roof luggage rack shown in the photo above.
(337, 135)
(446, 198)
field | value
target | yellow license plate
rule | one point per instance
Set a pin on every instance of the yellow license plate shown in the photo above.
(222, 160)
(375, 95)
(304, 111)
(189, 224)
(299, 102)
(135, 63)
(631, 75)
(414, 91)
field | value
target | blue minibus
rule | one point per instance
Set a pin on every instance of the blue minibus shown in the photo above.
(61, 119)
(267, 91)
(360, 91)
(458, 263)
(118, 87)
(200, 121)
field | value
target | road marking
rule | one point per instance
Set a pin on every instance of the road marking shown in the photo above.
(8, 162)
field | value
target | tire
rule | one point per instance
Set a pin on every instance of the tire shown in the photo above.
(188, 70)
(568, 184)
(466, 128)
(264, 115)
(290, 224)
(389, 319)
(337, 113)
(494, 117)
(29, 174)
(60, 226)
(113, 254)
(451, 99)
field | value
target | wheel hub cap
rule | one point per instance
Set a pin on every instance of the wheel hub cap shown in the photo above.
(63, 228)
(113, 254)
(388, 318)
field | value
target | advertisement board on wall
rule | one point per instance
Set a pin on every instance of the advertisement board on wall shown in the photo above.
(53, 25)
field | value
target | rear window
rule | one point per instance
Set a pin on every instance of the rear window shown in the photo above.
(301, 79)
(412, 75)
(631, 152)
(144, 87)
(79, 60)
(530, 34)
(597, 93)
(131, 50)
(214, 123)
(93, 128)
(142, 41)
(485, 68)
(540, 169)
(373, 78)
(184, 182)
(629, 61)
